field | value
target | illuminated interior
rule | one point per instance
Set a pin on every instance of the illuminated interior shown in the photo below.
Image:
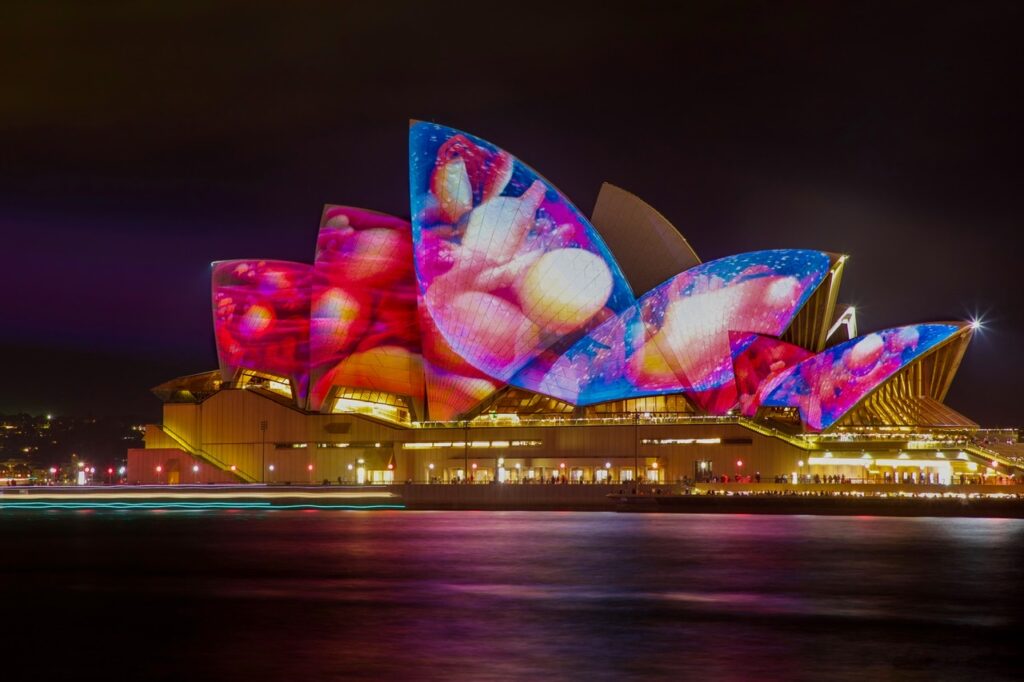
(266, 382)
(377, 404)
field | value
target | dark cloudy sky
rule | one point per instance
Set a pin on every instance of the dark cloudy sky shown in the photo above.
(141, 141)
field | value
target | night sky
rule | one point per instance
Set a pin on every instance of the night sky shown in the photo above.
(140, 142)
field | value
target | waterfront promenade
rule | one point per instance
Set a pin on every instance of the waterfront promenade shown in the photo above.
(755, 498)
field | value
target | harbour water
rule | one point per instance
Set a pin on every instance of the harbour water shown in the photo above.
(508, 595)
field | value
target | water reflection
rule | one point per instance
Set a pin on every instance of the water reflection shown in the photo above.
(494, 595)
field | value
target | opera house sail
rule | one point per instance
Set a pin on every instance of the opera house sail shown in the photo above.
(499, 304)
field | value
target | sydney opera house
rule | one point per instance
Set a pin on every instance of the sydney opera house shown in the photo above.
(502, 336)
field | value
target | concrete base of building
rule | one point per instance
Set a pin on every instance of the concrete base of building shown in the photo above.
(996, 501)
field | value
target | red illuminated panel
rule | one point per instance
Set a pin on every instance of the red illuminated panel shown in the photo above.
(364, 332)
(261, 319)
(757, 360)
(454, 387)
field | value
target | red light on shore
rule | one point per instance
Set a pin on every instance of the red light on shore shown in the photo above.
(110, 470)
(561, 465)
(159, 469)
(310, 467)
(739, 462)
(390, 465)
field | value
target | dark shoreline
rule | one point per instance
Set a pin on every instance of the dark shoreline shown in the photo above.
(422, 497)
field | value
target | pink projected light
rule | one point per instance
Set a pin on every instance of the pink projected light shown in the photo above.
(364, 332)
(507, 266)
(261, 319)
(498, 280)
(454, 386)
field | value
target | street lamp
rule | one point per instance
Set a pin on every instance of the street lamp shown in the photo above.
(263, 447)
(195, 473)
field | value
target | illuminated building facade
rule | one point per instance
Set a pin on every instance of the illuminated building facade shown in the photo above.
(501, 335)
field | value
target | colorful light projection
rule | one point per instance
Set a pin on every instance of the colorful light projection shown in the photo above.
(364, 332)
(676, 339)
(826, 386)
(507, 267)
(454, 387)
(261, 319)
(758, 360)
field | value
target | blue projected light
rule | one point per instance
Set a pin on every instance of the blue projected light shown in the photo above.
(508, 268)
(826, 386)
